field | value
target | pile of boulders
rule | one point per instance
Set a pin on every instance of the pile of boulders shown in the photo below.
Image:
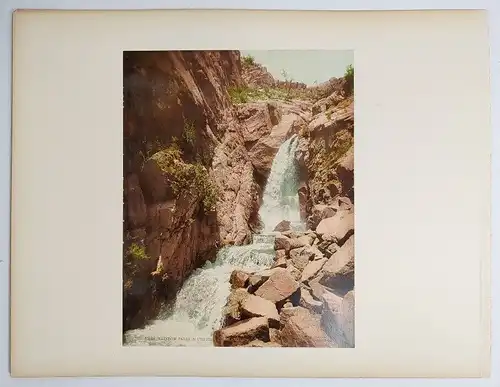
(306, 299)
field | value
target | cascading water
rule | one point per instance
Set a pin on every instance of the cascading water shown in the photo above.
(197, 310)
(281, 199)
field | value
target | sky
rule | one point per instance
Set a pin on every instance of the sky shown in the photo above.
(305, 66)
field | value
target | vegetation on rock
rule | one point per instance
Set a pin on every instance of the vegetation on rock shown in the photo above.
(182, 176)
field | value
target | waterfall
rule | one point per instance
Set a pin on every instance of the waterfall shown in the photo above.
(197, 310)
(281, 199)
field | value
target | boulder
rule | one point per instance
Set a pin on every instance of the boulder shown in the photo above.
(280, 254)
(338, 271)
(232, 309)
(282, 242)
(280, 286)
(317, 289)
(343, 203)
(335, 324)
(306, 240)
(337, 228)
(281, 262)
(282, 226)
(274, 335)
(300, 257)
(258, 278)
(263, 152)
(307, 301)
(326, 103)
(243, 332)
(312, 269)
(294, 272)
(320, 212)
(348, 315)
(300, 328)
(257, 118)
(254, 306)
(261, 344)
(238, 279)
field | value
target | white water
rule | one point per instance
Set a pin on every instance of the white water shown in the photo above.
(197, 311)
(281, 199)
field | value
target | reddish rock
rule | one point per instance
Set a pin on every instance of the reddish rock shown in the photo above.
(348, 316)
(166, 93)
(253, 306)
(320, 212)
(280, 262)
(262, 344)
(338, 325)
(256, 75)
(294, 272)
(278, 287)
(243, 332)
(345, 171)
(239, 279)
(274, 335)
(280, 254)
(258, 278)
(284, 225)
(263, 152)
(312, 269)
(257, 119)
(136, 207)
(232, 309)
(300, 257)
(307, 301)
(327, 103)
(317, 289)
(338, 227)
(343, 203)
(282, 242)
(300, 328)
(305, 240)
(338, 271)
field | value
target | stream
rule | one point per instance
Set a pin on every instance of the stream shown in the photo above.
(197, 310)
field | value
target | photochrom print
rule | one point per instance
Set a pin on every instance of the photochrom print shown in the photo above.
(238, 225)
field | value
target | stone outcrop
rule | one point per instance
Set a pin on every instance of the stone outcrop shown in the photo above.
(243, 332)
(301, 328)
(181, 135)
(308, 299)
(264, 150)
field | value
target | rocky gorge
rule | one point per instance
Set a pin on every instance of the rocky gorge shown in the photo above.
(238, 204)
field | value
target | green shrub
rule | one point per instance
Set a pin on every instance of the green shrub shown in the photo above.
(137, 252)
(349, 77)
(239, 94)
(244, 94)
(189, 133)
(248, 60)
(186, 176)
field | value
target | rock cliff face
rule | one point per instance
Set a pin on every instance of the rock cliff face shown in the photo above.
(187, 174)
(307, 298)
(201, 130)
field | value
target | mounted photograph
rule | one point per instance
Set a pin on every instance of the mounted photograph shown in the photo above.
(238, 198)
